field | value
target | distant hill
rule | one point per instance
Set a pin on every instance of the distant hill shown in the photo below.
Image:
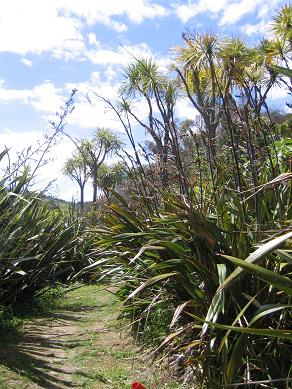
(55, 202)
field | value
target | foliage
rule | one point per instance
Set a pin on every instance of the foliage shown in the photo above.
(111, 176)
(45, 300)
(200, 242)
(169, 263)
(38, 245)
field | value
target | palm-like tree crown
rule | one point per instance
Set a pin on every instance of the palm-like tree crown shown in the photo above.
(282, 23)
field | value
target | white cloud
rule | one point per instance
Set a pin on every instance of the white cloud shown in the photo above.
(92, 116)
(103, 11)
(185, 110)
(278, 92)
(110, 73)
(107, 85)
(235, 11)
(8, 95)
(62, 186)
(104, 56)
(261, 28)
(229, 11)
(121, 56)
(263, 11)
(96, 114)
(45, 97)
(70, 49)
(34, 26)
(117, 26)
(18, 140)
(26, 62)
(185, 12)
(92, 39)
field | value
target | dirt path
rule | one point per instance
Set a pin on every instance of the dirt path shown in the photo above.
(77, 346)
(39, 352)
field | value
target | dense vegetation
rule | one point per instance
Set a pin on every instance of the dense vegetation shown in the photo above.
(39, 245)
(196, 230)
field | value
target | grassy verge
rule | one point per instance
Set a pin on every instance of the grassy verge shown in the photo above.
(13, 317)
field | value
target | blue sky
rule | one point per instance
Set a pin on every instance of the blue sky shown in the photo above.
(48, 47)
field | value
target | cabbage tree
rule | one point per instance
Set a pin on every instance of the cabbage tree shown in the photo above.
(103, 144)
(77, 169)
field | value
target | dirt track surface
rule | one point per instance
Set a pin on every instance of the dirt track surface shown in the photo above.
(74, 347)
(78, 345)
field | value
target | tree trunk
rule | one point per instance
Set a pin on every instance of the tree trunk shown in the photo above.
(81, 199)
(95, 186)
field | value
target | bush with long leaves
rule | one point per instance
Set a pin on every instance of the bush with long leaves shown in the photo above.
(178, 262)
(38, 245)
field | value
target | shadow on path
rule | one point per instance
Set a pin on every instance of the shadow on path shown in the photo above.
(38, 352)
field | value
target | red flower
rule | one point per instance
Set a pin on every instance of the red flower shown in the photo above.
(137, 385)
